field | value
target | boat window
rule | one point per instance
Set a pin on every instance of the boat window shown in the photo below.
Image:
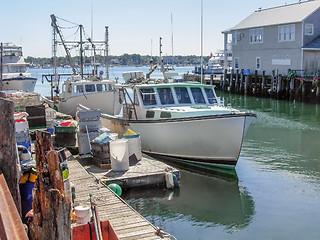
(78, 89)
(182, 95)
(90, 88)
(101, 87)
(197, 95)
(165, 95)
(210, 95)
(148, 96)
(165, 115)
(110, 87)
(150, 114)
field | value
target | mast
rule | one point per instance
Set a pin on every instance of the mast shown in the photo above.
(172, 40)
(1, 57)
(54, 54)
(55, 25)
(201, 63)
(160, 57)
(81, 51)
(107, 52)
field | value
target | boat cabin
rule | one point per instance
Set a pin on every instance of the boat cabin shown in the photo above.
(178, 94)
(73, 88)
(171, 100)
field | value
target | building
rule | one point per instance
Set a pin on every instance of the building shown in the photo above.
(279, 38)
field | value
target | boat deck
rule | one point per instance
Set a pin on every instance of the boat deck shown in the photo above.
(127, 223)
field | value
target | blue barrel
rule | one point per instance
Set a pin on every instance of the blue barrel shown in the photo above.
(246, 72)
(26, 197)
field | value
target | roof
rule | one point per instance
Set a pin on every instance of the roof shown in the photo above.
(315, 43)
(279, 15)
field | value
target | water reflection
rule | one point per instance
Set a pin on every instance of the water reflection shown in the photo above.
(202, 199)
(284, 136)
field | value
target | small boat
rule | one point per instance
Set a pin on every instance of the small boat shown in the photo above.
(214, 66)
(91, 93)
(14, 70)
(183, 121)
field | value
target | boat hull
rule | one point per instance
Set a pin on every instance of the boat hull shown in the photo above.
(107, 102)
(26, 84)
(208, 141)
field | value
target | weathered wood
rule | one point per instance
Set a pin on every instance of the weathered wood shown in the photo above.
(51, 208)
(236, 87)
(241, 81)
(9, 164)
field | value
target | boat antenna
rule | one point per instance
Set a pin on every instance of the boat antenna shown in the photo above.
(201, 63)
(172, 38)
(160, 58)
(107, 52)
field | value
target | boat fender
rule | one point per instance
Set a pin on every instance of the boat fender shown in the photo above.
(115, 188)
(169, 180)
(176, 180)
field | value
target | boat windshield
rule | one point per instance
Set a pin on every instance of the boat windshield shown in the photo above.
(197, 95)
(166, 96)
(90, 88)
(148, 96)
(78, 89)
(182, 95)
(101, 88)
(210, 95)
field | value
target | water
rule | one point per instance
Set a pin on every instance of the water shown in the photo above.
(273, 194)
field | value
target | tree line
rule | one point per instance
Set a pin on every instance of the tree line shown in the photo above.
(123, 60)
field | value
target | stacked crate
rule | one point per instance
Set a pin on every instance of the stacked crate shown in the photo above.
(89, 129)
(22, 130)
(101, 149)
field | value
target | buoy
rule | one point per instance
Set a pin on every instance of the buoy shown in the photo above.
(115, 188)
(176, 180)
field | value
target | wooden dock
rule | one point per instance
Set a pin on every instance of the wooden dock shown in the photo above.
(127, 223)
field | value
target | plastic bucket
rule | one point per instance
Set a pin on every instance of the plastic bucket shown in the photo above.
(134, 144)
(119, 155)
(82, 214)
(26, 197)
(246, 72)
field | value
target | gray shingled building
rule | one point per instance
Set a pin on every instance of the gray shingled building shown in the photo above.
(279, 38)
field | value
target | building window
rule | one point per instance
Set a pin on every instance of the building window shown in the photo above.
(286, 33)
(308, 29)
(256, 35)
(236, 63)
(234, 38)
(258, 63)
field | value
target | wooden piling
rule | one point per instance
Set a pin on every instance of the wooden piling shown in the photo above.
(8, 151)
(241, 81)
(230, 80)
(236, 85)
(224, 80)
(51, 208)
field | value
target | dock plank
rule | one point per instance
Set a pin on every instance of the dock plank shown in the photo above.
(127, 223)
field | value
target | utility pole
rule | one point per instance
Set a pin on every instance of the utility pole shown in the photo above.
(54, 53)
(107, 52)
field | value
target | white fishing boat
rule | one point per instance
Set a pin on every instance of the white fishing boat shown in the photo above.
(184, 121)
(92, 93)
(14, 70)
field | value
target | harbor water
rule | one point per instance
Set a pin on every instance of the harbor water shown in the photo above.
(274, 193)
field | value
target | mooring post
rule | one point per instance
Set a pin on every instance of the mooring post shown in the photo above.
(224, 79)
(230, 81)
(246, 84)
(211, 79)
(236, 87)
(9, 163)
(256, 82)
(51, 206)
(263, 83)
(241, 81)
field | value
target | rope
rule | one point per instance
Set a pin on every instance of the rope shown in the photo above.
(164, 234)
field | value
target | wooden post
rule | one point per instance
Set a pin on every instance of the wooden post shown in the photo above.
(51, 208)
(256, 82)
(263, 83)
(236, 87)
(246, 84)
(211, 79)
(230, 80)
(241, 81)
(224, 79)
(9, 163)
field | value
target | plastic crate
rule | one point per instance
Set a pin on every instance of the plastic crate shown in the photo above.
(59, 129)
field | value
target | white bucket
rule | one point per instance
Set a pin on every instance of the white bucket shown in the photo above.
(169, 180)
(119, 155)
(113, 136)
(82, 214)
(135, 147)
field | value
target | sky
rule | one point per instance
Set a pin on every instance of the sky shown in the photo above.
(135, 26)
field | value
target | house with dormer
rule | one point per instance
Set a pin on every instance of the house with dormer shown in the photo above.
(279, 38)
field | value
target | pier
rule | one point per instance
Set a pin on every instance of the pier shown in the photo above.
(126, 222)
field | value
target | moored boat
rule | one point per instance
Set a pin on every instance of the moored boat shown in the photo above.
(14, 70)
(184, 121)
